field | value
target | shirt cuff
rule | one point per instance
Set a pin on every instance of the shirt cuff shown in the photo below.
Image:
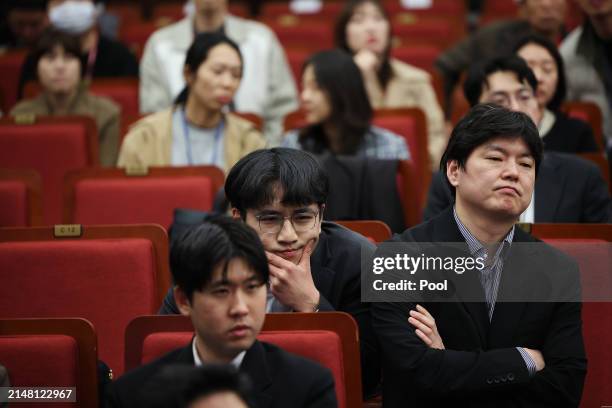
(531, 366)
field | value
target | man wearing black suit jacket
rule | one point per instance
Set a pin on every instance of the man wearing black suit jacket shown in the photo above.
(220, 271)
(314, 265)
(487, 353)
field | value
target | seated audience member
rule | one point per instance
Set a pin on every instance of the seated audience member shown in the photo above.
(559, 132)
(587, 52)
(196, 131)
(22, 23)
(220, 273)
(209, 386)
(59, 69)
(363, 29)
(339, 114)
(452, 352)
(545, 17)
(104, 57)
(314, 264)
(568, 188)
(267, 88)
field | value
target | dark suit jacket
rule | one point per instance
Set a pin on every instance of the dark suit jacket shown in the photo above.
(567, 189)
(279, 379)
(481, 366)
(336, 271)
(570, 135)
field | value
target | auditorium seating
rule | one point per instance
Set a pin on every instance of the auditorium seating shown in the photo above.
(590, 113)
(20, 198)
(107, 275)
(602, 163)
(134, 196)
(376, 231)
(51, 353)
(52, 146)
(335, 334)
(10, 68)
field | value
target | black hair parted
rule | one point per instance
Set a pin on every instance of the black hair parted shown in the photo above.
(477, 76)
(198, 53)
(351, 113)
(258, 178)
(199, 250)
(483, 123)
(560, 91)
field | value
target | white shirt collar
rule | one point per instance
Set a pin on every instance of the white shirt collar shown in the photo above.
(198, 362)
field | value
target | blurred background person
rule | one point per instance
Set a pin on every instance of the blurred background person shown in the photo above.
(195, 131)
(59, 69)
(587, 52)
(22, 22)
(559, 132)
(545, 17)
(364, 29)
(104, 57)
(267, 87)
(338, 112)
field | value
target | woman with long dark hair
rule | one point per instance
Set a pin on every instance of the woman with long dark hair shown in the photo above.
(196, 130)
(363, 29)
(338, 112)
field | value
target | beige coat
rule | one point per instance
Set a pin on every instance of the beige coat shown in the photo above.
(104, 111)
(411, 87)
(149, 141)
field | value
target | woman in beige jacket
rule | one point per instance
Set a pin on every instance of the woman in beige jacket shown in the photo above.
(196, 131)
(364, 30)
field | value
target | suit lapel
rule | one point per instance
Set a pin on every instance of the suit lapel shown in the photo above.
(256, 367)
(548, 190)
(322, 276)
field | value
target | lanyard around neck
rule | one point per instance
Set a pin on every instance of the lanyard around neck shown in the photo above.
(218, 133)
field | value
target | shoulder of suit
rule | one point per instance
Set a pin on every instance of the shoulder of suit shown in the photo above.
(139, 375)
(278, 359)
(101, 104)
(34, 105)
(570, 43)
(338, 234)
(154, 123)
(249, 26)
(408, 72)
(181, 30)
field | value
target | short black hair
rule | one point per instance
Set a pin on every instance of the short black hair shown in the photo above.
(351, 112)
(198, 53)
(478, 74)
(560, 91)
(199, 250)
(255, 180)
(51, 38)
(177, 386)
(485, 122)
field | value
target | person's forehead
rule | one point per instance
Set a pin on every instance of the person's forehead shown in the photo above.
(515, 145)
(278, 206)
(235, 271)
(505, 81)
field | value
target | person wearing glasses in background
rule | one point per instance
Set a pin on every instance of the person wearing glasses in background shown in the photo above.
(314, 264)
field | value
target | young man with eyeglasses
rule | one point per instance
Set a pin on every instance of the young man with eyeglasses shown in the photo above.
(314, 264)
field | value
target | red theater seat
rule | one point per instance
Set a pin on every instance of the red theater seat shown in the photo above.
(589, 245)
(376, 231)
(420, 55)
(116, 196)
(20, 198)
(335, 336)
(107, 275)
(313, 36)
(51, 353)
(10, 68)
(52, 146)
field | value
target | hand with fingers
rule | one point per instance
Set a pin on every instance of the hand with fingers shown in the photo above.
(291, 283)
(426, 328)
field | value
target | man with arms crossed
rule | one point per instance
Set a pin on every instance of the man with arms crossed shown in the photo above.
(484, 354)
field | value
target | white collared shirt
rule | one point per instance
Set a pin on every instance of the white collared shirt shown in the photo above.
(198, 362)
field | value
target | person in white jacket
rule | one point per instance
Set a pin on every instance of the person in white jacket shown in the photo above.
(267, 87)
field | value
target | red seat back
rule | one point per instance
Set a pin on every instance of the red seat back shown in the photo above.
(10, 68)
(51, 353)
(115, 275)
(419, 55)
(110, 196)
(335, 336)
(20, 198)
(52, 146)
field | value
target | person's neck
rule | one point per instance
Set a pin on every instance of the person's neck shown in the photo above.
(208, 357)
(199, 116)
(209, 21)
(89, 40)
(333, 136)
(60, 102)
(484, 228)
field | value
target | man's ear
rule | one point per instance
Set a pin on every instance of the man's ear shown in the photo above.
(452, 172)
(235, 213)
(182, 301)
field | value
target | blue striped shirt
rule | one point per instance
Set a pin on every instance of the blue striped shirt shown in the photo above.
(490, 276)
